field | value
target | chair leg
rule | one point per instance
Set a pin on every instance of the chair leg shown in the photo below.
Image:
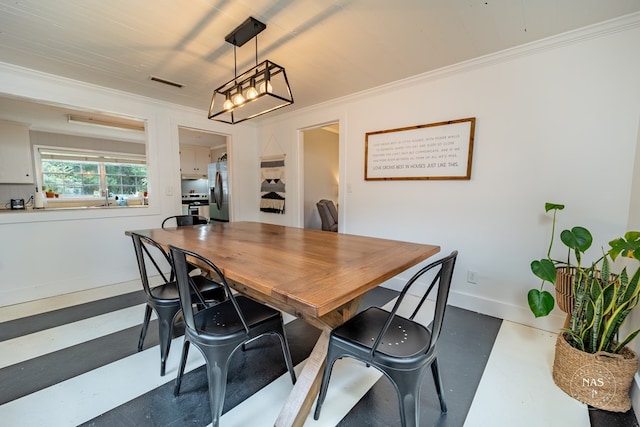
(217, 374)
(166, 317)
(408, 386)
(324, 386)
(287, 355)
(145, 326)
(244, 344)
(183, 363)
(435, 371)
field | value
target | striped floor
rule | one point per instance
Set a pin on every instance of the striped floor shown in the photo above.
(72, 360)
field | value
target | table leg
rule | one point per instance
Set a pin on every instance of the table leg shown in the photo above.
(304, 392)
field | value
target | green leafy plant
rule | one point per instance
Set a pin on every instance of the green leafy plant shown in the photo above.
(602, 300)
(578, 240)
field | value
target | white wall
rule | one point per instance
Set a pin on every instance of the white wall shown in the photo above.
(55, 252)
(556, 121)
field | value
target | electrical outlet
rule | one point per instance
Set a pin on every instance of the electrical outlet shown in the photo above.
(472, 276)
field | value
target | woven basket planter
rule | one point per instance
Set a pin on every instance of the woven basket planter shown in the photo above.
(601, 380)
(564, 288)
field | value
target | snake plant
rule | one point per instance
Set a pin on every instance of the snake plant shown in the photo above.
(604, 300)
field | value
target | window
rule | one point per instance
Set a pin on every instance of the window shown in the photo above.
(76, 175)
(125, 178)
(69, 177)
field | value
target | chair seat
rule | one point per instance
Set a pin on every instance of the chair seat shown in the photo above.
(403, 339)
(209, 289)
(168, 292)
(222, 319)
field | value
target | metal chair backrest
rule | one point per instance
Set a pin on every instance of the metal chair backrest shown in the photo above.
(185, 284)
(442, 278)
(185, 220)
(160, 260)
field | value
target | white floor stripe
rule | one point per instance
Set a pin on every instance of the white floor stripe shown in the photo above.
(17, 311)
(516, 388)
(49, 340)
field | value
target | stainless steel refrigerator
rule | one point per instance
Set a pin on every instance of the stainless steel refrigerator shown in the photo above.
(219, 189)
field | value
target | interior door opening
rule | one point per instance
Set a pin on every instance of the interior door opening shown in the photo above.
(321, 170)
(205, 189)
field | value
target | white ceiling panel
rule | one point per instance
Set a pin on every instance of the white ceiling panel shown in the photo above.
(329, 48)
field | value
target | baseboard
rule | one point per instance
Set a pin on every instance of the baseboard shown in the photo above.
(50, 303)
(635, 396)
(517, 314)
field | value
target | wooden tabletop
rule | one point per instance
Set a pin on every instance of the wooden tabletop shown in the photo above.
(313, 272)
(318, 276)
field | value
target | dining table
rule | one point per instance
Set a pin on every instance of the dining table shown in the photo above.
(318, 276)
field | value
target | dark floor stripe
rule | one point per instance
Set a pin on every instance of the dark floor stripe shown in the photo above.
(35, 374)
(63, 316)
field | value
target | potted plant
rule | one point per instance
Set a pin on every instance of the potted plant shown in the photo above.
(558, 273)
(48, 192)
(592, 364)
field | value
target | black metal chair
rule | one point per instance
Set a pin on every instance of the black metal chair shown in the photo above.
(219, 330)
(401, 348)
(184, 220)
(164, 298)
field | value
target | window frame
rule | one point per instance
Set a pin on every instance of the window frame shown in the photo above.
(102, 158)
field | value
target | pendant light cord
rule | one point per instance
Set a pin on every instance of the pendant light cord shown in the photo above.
(235, 65)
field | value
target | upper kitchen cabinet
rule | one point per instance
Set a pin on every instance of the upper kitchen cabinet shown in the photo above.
(16, 164)
(194, 161)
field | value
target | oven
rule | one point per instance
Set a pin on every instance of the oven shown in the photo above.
(196, 204)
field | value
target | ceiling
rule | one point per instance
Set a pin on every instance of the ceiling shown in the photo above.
(328, 48)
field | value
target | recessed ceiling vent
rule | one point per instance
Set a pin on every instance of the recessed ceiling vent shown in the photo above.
(166, 82)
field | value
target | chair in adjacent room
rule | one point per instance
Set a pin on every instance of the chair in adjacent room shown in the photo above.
(328, 215)
(164, 298)
(183, 220)
(219, 330)
(400, 347)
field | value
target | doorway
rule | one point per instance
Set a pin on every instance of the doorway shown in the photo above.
(200, 151)
(321, 170)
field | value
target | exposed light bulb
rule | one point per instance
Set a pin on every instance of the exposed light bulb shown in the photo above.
(238, 99)
(228, 105)
(251, 93)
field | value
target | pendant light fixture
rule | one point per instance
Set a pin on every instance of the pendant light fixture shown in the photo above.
(259, 90)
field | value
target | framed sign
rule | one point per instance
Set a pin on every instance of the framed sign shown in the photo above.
(434, 151)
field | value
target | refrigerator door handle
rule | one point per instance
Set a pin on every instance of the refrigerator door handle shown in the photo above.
(218, 190)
